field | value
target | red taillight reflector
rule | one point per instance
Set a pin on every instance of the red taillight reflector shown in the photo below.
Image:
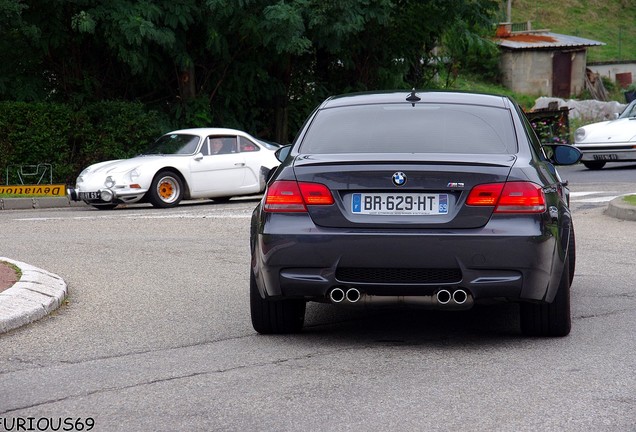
(485, 194)
(284, 196)
(521, 197)
(291, 196)
(316, 194)
(510, 197)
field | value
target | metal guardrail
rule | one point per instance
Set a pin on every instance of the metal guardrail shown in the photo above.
(32, 172)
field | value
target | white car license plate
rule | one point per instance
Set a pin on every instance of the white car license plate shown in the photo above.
(90, 195)
(399, 204)
(610, 156)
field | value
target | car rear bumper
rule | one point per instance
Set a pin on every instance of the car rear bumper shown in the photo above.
(505, 260)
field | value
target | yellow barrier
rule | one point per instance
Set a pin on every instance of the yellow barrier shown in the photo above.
(31, 190)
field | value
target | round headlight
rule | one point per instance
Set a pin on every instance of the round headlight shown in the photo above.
(579, 135)
(109, 182)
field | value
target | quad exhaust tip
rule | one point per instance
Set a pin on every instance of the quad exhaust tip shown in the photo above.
(443, 297)
(337, 295)
(460, 297)
(353, 295)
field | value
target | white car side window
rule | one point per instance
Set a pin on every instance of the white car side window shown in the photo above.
(247, 145)
(222, 145)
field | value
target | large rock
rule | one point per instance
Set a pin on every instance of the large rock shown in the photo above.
(589, 111)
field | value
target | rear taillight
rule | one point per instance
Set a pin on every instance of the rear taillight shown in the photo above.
(315, 194)
(291, 196)
(485, 194)
(510, 197)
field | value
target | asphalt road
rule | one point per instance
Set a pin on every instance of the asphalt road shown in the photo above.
(156, 336)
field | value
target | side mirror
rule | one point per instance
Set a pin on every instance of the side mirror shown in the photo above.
(282, 153)
(563, 154)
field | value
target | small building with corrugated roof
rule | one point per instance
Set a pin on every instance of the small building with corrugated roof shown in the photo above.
(540, 62)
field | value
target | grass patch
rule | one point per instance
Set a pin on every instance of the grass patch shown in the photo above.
(611, 22)
(630, 199)
(467, 83)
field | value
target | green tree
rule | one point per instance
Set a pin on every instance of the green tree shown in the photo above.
(257, 65)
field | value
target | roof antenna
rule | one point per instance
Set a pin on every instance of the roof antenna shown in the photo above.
(413, 97)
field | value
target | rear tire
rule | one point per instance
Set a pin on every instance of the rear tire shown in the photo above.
(549, 319)
(275, 316)
(595, 165)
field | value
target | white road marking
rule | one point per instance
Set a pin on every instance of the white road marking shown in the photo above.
(575, 197)
(580, 194)
(597, 199)
(232, 215)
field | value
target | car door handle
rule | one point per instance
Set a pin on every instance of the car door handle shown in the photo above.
(239, 164)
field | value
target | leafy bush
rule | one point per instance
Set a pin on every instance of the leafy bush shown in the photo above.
(114, 130)
(551, 127)
(69, 139)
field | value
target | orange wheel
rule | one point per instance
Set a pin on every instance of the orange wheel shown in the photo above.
(166, 190)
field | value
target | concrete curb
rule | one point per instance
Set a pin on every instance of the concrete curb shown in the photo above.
(39, 202)
(35, 295)
(620, 209)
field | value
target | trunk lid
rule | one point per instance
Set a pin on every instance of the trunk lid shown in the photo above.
(433, 194)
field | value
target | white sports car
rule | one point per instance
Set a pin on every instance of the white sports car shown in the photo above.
(608, 141)
(184, 164)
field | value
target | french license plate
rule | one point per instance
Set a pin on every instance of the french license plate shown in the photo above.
(399, 204)
(90, 195)
(610, 156)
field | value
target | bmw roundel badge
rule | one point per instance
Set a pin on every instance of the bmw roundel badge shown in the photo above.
(399, 179)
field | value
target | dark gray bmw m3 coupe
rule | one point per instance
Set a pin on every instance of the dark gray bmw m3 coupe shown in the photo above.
(424, 199)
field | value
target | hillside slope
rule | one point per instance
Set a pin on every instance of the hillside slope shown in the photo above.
(610, 21)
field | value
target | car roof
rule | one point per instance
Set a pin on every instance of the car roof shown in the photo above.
(425, 96)
(209, 131)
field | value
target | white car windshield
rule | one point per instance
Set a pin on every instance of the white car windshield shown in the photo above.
(630, 111)
(174, 144)
(270, 145)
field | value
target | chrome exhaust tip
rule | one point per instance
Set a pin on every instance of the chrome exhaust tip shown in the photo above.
(460, 297)
(336, 295)
(353, 295)
(443, 296)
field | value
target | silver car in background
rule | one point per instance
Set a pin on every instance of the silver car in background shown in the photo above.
(608, 141)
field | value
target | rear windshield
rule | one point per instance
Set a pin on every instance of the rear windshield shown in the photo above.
(402, 128)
